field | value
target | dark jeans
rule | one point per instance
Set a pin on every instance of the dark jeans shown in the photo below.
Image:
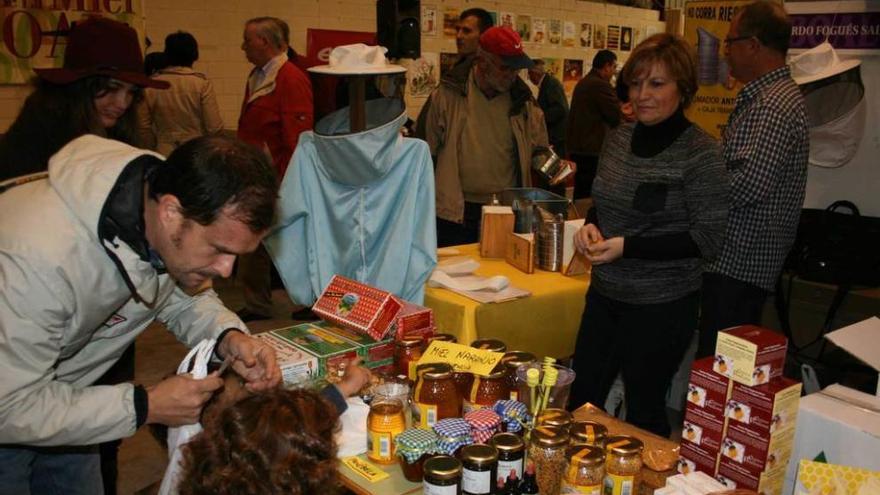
(467, 232)
(585, 174)
(49, 471)
(727, 302)
(644, 342)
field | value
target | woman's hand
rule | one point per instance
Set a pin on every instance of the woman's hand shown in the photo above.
(605, 251)
(585, 237)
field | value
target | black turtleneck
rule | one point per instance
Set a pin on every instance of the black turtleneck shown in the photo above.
(649, 140)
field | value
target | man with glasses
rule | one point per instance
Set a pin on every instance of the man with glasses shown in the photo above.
(766, 148)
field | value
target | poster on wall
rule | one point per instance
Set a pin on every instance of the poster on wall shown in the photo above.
(626, 38)
(586, 37)
(447, 60)
(613, 40)
(34, 37)
(553, 66)
(568, 34)
(450, 20)
(423, 75)
(572, 71)
(555, 29)
(539, 30)
(429, 20)
(524, 27)
(599, 36)
(705, 26)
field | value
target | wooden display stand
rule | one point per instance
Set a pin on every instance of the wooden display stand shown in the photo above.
(496, 224)
(521, 251)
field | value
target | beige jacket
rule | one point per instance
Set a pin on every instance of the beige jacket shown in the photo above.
(441, 122)
(186, 110)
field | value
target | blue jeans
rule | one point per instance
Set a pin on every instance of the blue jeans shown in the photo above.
(50, 471)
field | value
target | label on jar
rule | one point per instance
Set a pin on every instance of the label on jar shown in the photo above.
(379, 446)
(515, 467)
(427, 415)
(429, 488)
(476, 481)
(514, 395)
(569, 488)
(618, 485)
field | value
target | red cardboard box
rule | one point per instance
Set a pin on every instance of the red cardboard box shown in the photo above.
(750, 355)
(756, 452)
(707, 389)
(693, 457)
(734, 476)
(358, 306)
(703, 429)
(765, 409)
(413, 320)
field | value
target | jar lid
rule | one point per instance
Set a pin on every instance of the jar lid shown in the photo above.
(588, 432)
(489, 345)
(554, 417)
(508, 442)
(624, 445)
(497, 373)
(445, 337)
(408, 342)
(586, 456)
(548, 436)
(414, 443)
(482, 419)
(434, 371)
(514, 359)
(479, 454)
(442, 467)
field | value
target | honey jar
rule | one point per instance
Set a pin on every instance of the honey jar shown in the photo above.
(512, 360)
(586, 470)
(555, 418)
(485, 391)
(385, 421)
(480, 469)
(588, 433)
(407, 352)
(493, 345)
(435, 396)
(547, 451)
(623, 465)
(442, 476)
(443, 337)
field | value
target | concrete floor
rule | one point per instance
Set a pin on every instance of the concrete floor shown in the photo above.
(142, 461)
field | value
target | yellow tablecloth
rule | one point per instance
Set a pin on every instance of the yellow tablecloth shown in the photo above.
(545, 323)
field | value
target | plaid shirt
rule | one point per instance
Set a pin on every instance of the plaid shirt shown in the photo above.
(766, 147)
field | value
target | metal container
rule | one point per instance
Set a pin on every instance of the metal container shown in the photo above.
(523, 201)
(549, 246)
(546, 162)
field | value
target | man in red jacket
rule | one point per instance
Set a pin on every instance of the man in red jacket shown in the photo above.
(277, 107)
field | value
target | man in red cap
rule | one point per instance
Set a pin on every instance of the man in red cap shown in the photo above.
(482, 125)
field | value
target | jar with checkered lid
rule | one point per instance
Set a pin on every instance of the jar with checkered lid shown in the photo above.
(452, 435)
(414, 447)
(484, 423)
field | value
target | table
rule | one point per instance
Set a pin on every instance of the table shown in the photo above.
(545, 323)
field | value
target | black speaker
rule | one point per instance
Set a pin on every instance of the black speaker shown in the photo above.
(398, 27)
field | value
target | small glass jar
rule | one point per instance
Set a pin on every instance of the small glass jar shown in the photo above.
(385, 421)
(435, 396)
(554, 418)
(442, 476)
(443, 337)
(480, 471)
(547, 452)
(414, 447)
(586, 470)
(623, 465)
(588, 433)
(463, 381)
(493, 345)
(512, 360)
(511, 452)
(407, 352)
(485, 391)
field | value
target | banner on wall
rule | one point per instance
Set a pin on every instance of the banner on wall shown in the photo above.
(858, 31)
(33, 34)
(705, 27)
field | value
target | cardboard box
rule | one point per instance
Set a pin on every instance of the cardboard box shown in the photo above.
(750, 355)
(693, 458)
(297, 366)
(332, 352)
(413, 320)
(351, 304)
(374, 353)
(703, 429)
(765, 409)
(497, 223)
(756, 452)
(765, 483)
(707, 389)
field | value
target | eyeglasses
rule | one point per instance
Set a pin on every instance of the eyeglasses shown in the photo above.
(728, 41)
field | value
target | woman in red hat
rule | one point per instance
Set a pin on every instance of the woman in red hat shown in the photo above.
(93, 93)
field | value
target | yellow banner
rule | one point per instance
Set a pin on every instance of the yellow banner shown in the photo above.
(462, 357)
(33, 33)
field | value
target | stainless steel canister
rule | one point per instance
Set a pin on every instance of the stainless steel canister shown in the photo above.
(549, 245)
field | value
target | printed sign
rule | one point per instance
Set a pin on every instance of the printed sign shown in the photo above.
(845, 31)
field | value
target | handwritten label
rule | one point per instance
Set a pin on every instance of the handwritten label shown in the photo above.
(366, 469)
(462, 357)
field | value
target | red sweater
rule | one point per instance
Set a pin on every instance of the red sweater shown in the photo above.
(276, 119)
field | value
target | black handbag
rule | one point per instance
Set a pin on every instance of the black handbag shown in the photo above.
(837, 248)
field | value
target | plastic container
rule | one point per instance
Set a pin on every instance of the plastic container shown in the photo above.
(558, 393)
(395, 391)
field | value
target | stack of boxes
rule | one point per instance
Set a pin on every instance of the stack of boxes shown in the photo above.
(740, 413)
(361, 321)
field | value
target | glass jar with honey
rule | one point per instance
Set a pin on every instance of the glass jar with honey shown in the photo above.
(555, 418)
(407, 352)
(586, 470)
(435, 396)
(443, 337)
(512, 360)
(623, 465)
(493, 345)
(486, 390)
(588, 433)
(414, 447)
(385, 421)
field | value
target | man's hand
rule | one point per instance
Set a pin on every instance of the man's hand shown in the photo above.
(586, 236)
(254, 361)
(605, 251)
(178, 400)
(355, 378)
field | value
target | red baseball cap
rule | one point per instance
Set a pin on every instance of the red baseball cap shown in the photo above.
(506, 43)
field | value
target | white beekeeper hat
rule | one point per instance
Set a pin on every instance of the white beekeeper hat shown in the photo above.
(358, 60)
(819, 62)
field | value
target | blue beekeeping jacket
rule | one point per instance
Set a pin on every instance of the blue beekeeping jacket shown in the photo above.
(357, 204)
